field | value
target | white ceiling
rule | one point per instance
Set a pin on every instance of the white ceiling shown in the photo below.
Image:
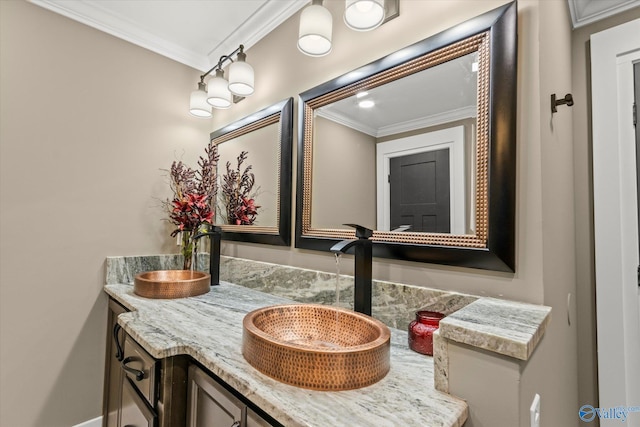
(193, 32)
(198, 32)
(431, 97)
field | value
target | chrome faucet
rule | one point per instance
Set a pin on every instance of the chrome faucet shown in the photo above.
(215, 234)
(363, 266)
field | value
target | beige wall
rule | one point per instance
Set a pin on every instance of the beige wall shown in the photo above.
(545, 236)
(87, 122)
(262, 147)
(282, 71)
(80, 175)
(344, 175)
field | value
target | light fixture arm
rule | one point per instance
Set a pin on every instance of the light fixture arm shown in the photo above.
(223, 59)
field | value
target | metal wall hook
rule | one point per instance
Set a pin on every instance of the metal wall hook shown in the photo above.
(568, 100)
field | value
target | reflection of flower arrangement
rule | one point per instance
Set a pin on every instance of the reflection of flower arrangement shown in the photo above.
(193, 194)
(238, 199)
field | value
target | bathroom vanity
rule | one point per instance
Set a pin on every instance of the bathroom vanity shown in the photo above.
(208, 331)
(197, 342)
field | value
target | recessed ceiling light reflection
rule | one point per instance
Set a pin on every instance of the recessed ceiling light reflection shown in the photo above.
(361, 94)
(367, 103)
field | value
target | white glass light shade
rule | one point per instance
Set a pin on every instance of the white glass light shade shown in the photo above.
(198, 105)
(316, 26)
(241, 77)
(218, 93)
(363, 15)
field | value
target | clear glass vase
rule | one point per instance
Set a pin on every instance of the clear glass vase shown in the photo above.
(188, 249)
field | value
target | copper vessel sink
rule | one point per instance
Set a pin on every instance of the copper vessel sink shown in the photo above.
(315, 346)
(168, 284)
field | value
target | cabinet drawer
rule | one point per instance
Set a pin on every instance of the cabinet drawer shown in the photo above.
(141, 369)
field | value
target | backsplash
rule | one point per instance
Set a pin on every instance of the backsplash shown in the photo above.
(394, 304)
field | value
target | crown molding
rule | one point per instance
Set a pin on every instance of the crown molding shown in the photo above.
(265, 19)
(406, 126)
(261, 23)
(585, 12)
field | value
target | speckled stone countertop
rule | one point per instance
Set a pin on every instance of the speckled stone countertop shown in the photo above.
(506, 327)
(209, 329)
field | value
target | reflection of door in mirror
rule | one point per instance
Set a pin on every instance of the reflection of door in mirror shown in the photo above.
(262, 148)
(458, 143)
(419, 187)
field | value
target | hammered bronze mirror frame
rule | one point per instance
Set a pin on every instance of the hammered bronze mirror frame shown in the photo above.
(493, 36)
(280, 113)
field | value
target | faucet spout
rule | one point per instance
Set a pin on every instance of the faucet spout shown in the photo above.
(363, 266)
(343, 246)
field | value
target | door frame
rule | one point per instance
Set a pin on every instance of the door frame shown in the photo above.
(451, 138)
(615, 216)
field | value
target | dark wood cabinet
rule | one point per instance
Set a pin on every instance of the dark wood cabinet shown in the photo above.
(113, 372)
(211, 405)
(134, 411)
(141, 391)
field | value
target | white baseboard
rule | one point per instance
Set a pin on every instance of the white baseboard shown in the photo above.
(96, 422)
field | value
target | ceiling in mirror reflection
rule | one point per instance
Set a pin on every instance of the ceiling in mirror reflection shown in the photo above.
(430, 97)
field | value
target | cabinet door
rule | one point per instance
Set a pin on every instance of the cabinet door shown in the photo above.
(112, 371)
(209, 404)
(134, 411)
(255, 420)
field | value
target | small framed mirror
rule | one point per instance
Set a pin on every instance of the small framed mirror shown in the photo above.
(420, 147)
(254, 176)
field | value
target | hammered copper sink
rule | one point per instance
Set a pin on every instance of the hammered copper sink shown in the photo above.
(316, 346)
(168, 284)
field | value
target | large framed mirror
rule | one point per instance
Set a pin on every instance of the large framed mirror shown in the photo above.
(420, 147)
(254, 176)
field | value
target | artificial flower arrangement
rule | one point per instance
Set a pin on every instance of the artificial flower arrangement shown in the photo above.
(194, 192)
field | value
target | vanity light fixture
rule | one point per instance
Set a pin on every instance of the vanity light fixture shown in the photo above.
(316, 23)
(364, 15)
(219, 95)
(222, 92)
(198, 105)
(316, 26)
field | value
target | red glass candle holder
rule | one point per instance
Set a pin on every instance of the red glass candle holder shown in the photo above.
(421, 331)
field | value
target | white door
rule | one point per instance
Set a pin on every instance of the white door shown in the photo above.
(613, 53)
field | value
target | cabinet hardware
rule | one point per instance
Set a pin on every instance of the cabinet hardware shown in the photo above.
(138, 373)
(119, 352)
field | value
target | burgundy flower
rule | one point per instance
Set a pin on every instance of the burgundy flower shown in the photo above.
(193, 192)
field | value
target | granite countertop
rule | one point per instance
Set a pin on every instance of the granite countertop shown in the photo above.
(505, 327)
(209, 329)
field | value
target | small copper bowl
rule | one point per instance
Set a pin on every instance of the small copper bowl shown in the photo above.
(169, 284)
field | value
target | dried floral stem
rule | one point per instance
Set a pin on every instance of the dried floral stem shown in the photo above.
(237, 186)
(194, 194)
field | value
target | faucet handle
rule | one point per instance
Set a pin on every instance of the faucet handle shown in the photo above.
(361, 231)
